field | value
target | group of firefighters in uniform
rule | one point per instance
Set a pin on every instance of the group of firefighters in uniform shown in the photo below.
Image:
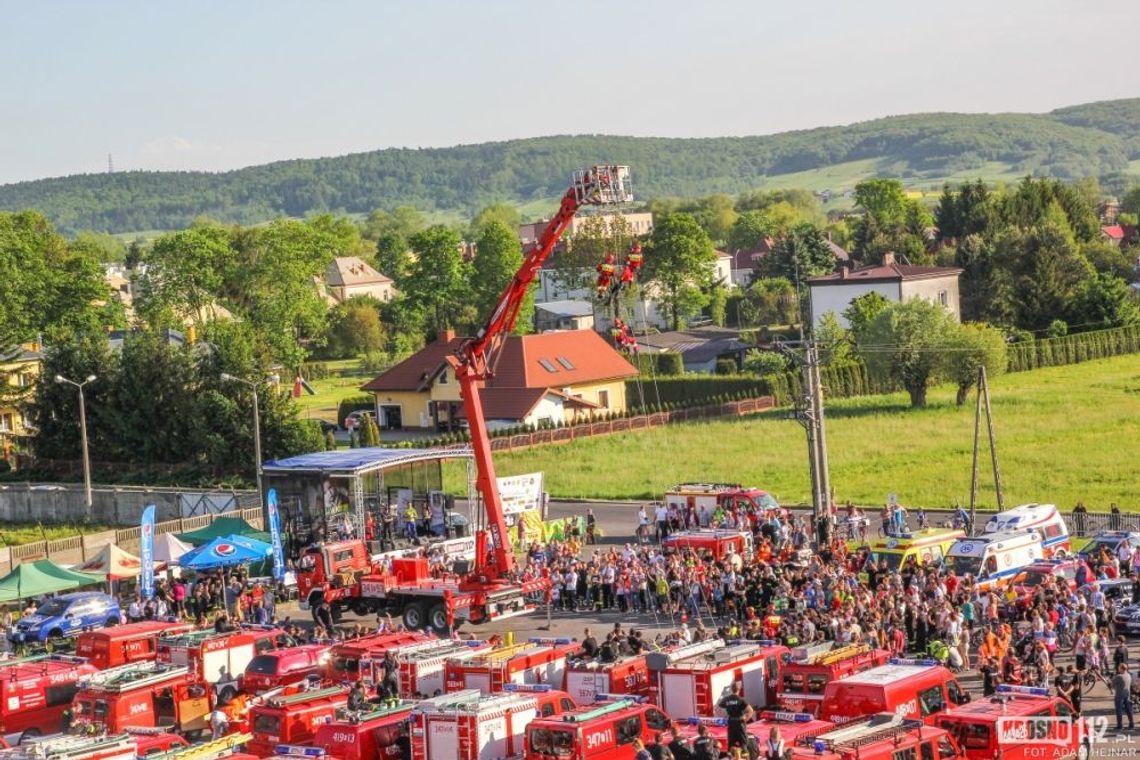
(608, 285)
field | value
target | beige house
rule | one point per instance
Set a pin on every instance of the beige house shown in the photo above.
(350, 276)
(555, 377)
(894, 282)
(19, 373)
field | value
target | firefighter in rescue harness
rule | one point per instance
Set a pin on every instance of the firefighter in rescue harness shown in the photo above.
(606, 272)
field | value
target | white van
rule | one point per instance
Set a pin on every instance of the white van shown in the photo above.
(994, 558)
(1044, 518)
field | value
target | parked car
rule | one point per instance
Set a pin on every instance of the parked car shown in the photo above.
(327, 427)
(67, 615)
(1110, 539)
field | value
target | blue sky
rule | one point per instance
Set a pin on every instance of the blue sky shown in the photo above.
(219, 85)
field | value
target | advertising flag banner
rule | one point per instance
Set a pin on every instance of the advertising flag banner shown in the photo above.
(146, 552)
(275, 535)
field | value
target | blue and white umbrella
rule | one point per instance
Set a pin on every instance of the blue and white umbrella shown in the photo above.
(225, 551)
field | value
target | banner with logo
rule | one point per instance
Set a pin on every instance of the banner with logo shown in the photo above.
(146, 552)
(521, 493)
(275, 534)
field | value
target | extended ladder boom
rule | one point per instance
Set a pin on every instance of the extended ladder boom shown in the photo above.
(595, 186)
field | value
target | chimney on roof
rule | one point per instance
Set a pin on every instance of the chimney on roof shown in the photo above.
(889, 258)
(446, 336)
(844, 270)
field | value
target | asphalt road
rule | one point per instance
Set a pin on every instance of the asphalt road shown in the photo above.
(618, 521)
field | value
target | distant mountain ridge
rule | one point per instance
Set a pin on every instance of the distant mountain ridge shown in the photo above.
(1095, 139)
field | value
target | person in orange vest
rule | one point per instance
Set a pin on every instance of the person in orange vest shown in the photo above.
(606, 273)
(635, 258)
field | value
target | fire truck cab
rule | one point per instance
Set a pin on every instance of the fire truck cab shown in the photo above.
(538, 661)
(917, 689)
(878, 737)
(718, 543)
(284, 667)
(1015, 723)
(143, 694)
(690, 680)
(586, 678)
(372, 735)
(810, 669)
(724, 495)
(155, 741)
(791, 725)
(217, 658)
(601, 732)
(124, 644)
(35, 692)
(292, 719)
(351, 660)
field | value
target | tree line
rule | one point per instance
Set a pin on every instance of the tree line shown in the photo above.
(1095, 140)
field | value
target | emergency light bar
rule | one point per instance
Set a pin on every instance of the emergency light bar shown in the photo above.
(527, 687)
(1036, 691)
(786, 716)
(474, 642)
(296, 750)
(258, 627)
(607, 697)
(912, 661)
(702, 721)
(751, 642)
(550, 641)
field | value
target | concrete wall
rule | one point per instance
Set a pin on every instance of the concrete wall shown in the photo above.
(28, 502)
(836, 298)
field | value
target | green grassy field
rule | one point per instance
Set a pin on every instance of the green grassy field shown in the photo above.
(1064, 434)
(12, 534)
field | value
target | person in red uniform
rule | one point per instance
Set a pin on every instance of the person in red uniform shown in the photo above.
(606, 273)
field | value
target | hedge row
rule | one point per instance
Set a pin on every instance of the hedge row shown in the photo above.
(838, 382)
(656, 365)
(1073, 349)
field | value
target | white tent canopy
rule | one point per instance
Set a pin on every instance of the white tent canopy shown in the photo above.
(168, 548)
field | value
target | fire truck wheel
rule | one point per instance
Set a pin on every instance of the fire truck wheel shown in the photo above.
(31, 733)
(55, 634)
(437, 617)
(414, 616)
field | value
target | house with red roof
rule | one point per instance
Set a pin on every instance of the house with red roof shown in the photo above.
(1119, 235)
(894, 281)
(550, 378)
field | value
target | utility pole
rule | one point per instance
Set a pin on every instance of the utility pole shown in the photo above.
(809, 413)
(984, 397)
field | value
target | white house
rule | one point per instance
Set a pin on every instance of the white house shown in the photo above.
(894, 282)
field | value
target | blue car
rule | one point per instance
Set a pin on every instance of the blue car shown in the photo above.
(67, 615)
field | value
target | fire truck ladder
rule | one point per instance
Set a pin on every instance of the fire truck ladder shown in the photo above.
(837, 655)
(132, 676)
(863, 733)
(450, 701)
(305, 696)
(398, 706)
(64, 747)
(208, 751)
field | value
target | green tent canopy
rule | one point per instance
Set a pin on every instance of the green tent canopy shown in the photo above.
(223, 526)
(41, 577)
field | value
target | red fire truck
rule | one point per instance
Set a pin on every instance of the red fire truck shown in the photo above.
(217, 658)
(879, 737)
(155, 741)
(723, 495)
(345, 659)
(227, 747)
(467, 725)
(35, 692)
(143, 694)
(365, 736)
(718, 543)
(292, 719)
(62, 747)
(123, 644)
(811, 669)
(586, 678)
(909, 688)
(539, 661)
(423, 670)
(1018, 723)
(285, 667)
(602, 732)
(791, 725)
(690, 680)
(492, 590)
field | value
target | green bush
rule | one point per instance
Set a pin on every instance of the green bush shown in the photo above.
(1073, 349)
(726, 365)
(657, 365)
(315, 371)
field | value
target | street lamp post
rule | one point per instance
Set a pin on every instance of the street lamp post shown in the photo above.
(83, 436)
(256, 432)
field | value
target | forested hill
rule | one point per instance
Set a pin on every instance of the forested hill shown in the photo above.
(1096, 139)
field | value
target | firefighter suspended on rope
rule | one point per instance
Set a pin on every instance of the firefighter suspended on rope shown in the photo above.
(606, 274)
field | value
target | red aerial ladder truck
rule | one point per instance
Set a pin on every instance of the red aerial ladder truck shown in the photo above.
(491, 591)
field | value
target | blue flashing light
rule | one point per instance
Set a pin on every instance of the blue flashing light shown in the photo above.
(550, 641)
(819, 746)
(1035, 691)
(296, 750)
(527, 687)
(607, 697)
(702, 721)
(911, 661)
(786, 716)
